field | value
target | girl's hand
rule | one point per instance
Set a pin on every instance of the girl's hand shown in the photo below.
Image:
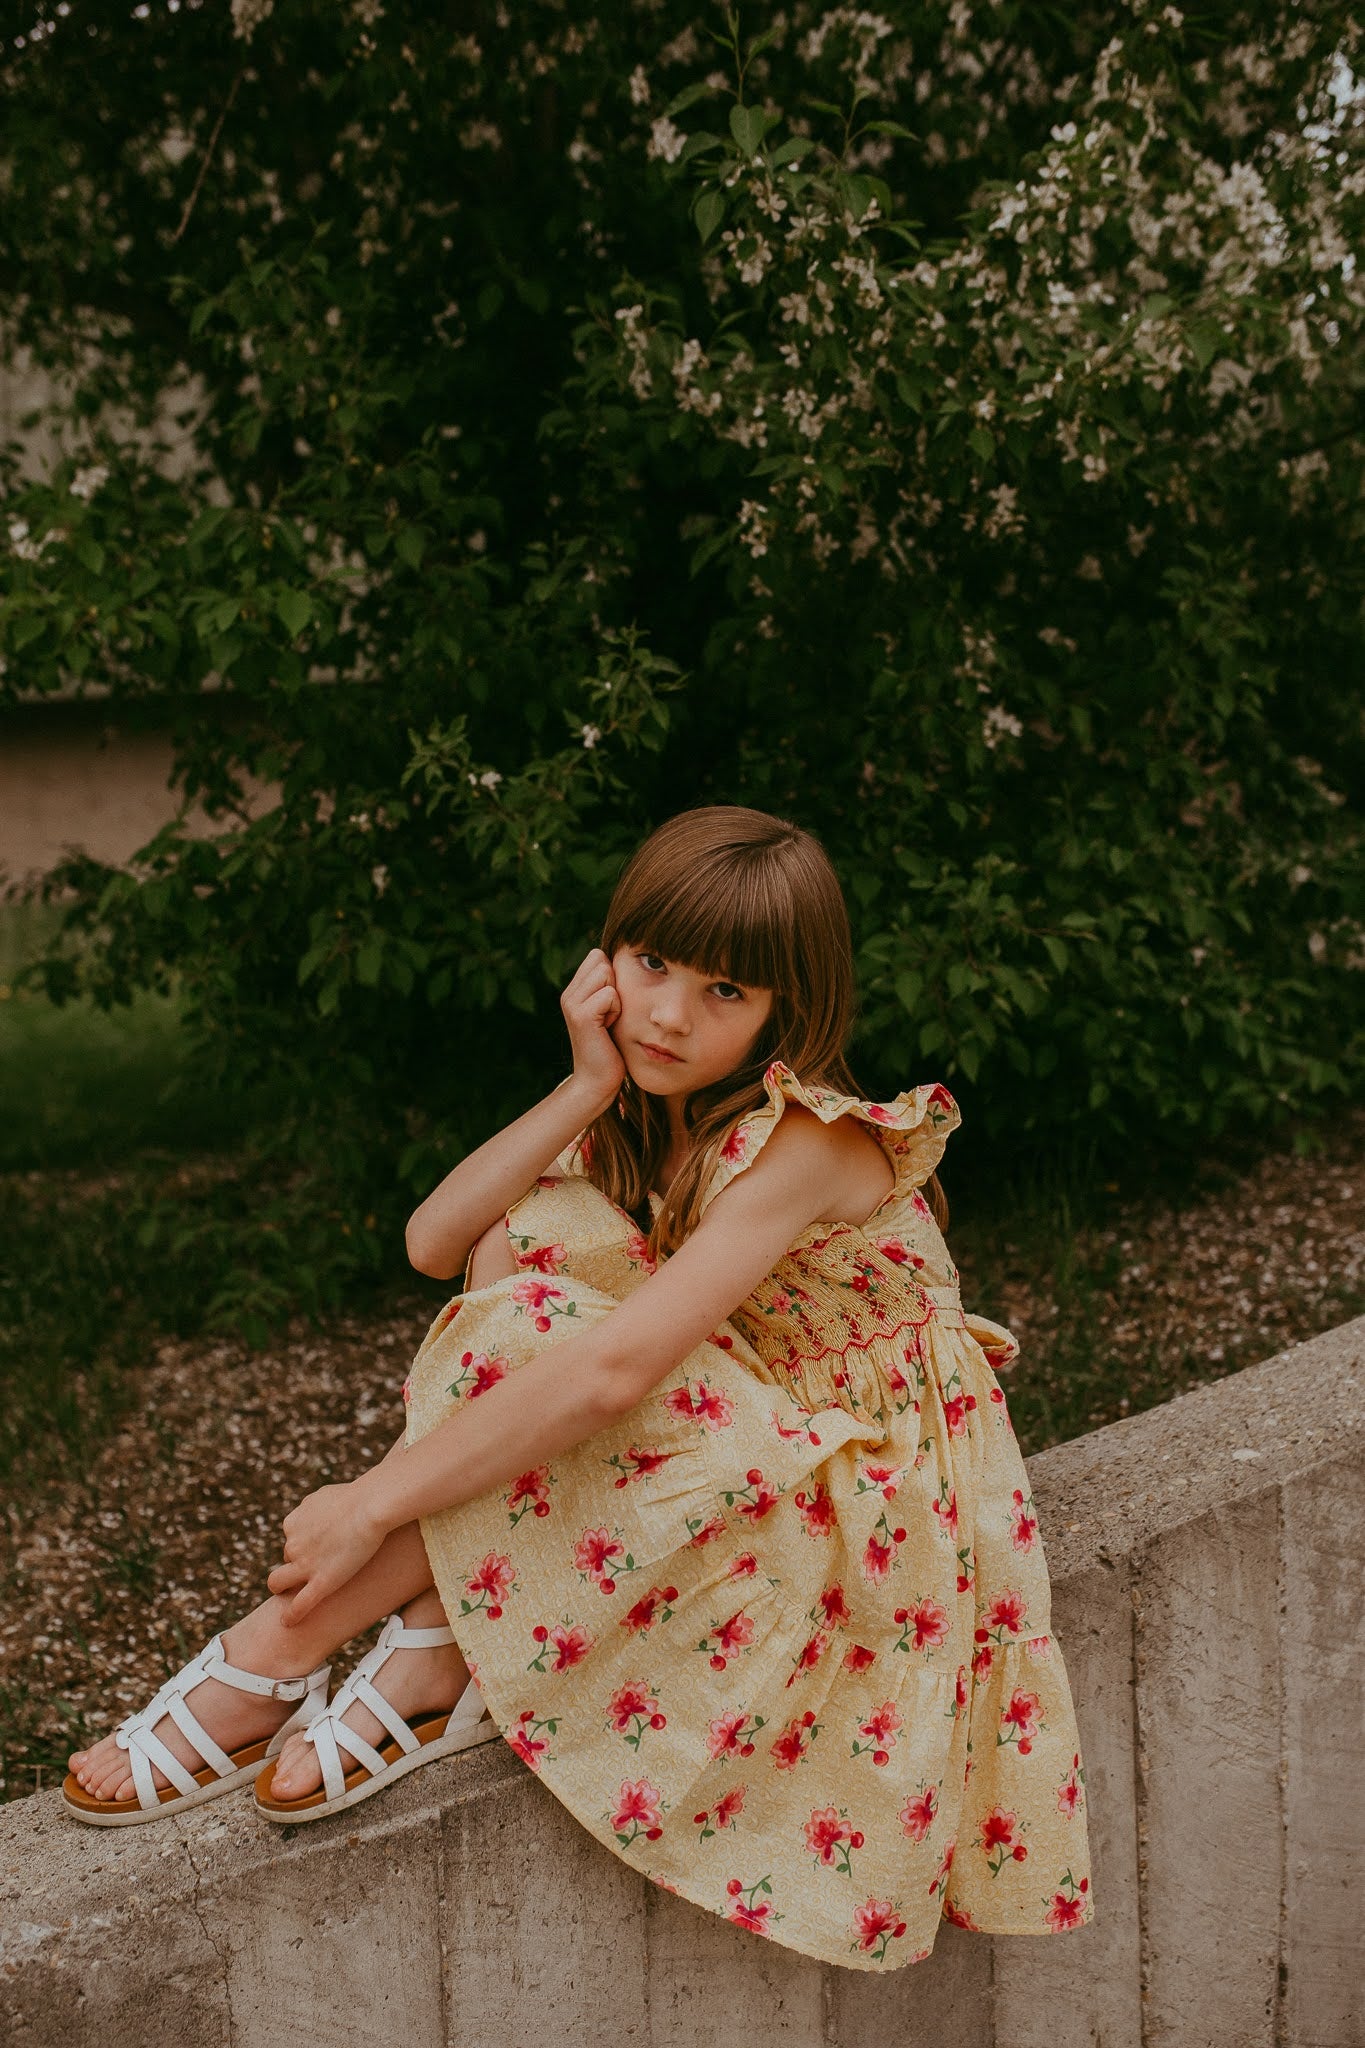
(328, 1537)
(591, 1004)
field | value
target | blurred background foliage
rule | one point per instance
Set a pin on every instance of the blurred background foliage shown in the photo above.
(938, 423)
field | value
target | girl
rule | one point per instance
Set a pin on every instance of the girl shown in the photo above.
(706, 1470)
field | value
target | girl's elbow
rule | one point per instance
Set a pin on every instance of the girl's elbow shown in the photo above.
(424, 1256)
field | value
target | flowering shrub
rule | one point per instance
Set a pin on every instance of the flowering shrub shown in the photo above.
(937, 422)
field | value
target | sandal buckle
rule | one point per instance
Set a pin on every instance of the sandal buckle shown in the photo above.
(285, 1688)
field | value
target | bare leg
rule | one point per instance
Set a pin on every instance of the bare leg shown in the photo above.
(397, 1574)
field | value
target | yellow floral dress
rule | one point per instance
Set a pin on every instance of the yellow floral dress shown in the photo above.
(781, 1637)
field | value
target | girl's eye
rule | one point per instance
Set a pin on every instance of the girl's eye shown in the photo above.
(653, 964)
(730, 985)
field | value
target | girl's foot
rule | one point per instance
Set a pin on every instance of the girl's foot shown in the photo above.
(416, 1682)
(233, 1719)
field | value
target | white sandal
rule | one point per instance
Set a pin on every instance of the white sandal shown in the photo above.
(221, 1771)
(414, 1743)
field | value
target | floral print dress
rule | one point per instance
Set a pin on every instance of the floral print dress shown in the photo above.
(781, 1637)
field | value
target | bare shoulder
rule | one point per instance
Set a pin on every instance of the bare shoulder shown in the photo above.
(833, 1161)
(841, 1162)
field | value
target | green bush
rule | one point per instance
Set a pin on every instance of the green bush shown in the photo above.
(938, 424)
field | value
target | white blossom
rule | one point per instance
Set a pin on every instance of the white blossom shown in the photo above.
(591, 735)
(666, 141)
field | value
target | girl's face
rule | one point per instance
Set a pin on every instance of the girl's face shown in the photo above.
(709, 1027)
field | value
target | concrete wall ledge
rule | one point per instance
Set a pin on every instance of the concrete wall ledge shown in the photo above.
(1208, 1568)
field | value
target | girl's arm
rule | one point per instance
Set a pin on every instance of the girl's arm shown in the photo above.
(583, 1383)
(486, 1183)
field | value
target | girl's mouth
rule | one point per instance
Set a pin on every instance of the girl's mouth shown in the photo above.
(658, 1052)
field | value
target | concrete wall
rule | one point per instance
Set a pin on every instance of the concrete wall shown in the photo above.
(1208, 1565)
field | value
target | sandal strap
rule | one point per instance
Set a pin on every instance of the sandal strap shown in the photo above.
(146, 1749)
(328, 1736)
(398, 1637)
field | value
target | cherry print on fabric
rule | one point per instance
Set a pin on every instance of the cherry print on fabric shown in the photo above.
(781, 1637)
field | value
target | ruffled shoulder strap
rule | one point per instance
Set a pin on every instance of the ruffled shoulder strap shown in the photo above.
(913, 1128)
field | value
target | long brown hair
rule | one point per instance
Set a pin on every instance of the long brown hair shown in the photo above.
(738, 895)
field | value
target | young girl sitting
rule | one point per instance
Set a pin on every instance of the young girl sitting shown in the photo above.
(709, 1501)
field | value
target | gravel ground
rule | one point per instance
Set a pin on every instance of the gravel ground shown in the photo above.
(114, 1579)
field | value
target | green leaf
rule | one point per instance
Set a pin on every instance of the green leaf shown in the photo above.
(748, 125)
(295, 609)
(708, 213)
(983, 441)
(410, 546)
(1056, 951)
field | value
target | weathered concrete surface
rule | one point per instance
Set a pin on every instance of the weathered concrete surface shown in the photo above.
(1208, 1566)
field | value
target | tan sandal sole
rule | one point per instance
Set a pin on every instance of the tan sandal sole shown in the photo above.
(113, 1813)
(429, 1731)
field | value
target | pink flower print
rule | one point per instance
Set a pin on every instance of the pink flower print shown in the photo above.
(742, 1567)
(835, 1608)
(885, 1478)
(635, 1704)
(893, 1248)
(810, 1654)
(859, 1659)
(880, 1729)
(570, 1644)
(919, 1813)
(960, 1694)
(637, 1812)
(960, 1917)
(939, 1881)
(1069, 1791)
(879, 1556)
(645, 1612)
(491, 1582)
(478, 1372)
(1067, 1910)
(637, 1464)
(830, 1839)
(956, 1408)
(723, 1814)
(998, 1834)
(543, 1258)
(1005, 1612)
(1023, 1524)
(450, 1312)
(735, 1148)
(817, 1510)
(924, 1626)
(939, 1098)
(732, 1734)
(595, 1556)
(536, 1297)
(548, 1180)
(880, 1114)
(728, 1639)
(982, 1660)
(802, 1430)
(794, 1742)
(529, 1494)
(701, 1404)
(1020, 1719)
(920, 1206)
(407, 1391)
(703, 1531)
(530, 1293)
(637, 1251)
(876, 1925)
(747, 1910)
(945, 1509)
(529, 1745)
(757, 1500)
